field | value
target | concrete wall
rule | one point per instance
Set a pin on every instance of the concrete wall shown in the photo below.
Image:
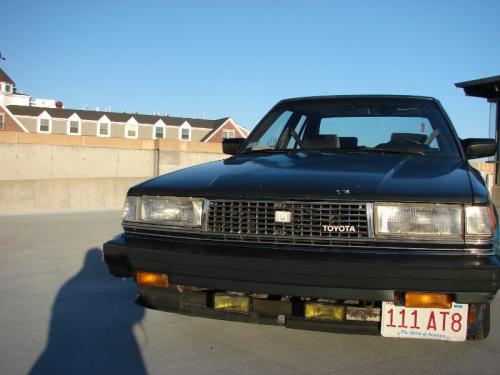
(48, 172)
(52, 195)
(34, 162)
(170, 161)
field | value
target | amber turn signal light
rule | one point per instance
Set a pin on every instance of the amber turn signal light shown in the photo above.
(152, 279)
(419, 299)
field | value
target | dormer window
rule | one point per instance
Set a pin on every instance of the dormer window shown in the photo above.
(44, 123)
(131, 129)
(185, 132)
(103, 127)
(159, 130)
(74, 125)
(8, 88)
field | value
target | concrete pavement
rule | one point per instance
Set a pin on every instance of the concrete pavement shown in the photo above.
(61, 312)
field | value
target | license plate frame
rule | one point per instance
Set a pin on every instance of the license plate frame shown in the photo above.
(424, 323)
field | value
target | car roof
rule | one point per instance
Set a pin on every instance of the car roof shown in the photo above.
(343, 97)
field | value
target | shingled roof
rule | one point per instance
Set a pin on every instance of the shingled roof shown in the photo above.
(5, 78)
(20, 110)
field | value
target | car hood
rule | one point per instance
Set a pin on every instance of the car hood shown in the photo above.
(340, 176)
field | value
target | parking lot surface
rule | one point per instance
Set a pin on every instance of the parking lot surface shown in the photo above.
(62, 313)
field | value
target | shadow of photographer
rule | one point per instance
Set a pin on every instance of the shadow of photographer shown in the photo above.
(91, 325)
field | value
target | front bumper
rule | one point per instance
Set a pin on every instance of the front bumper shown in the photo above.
(300, 272)
(269, 312)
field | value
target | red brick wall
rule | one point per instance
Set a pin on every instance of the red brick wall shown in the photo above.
(217, 137)
(9, 123)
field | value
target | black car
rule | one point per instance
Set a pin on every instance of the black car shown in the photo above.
(341, 213)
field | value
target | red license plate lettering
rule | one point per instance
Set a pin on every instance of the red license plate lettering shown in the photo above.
(430, 323)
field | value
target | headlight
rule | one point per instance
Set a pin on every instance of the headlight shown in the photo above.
(479, 221)
(130, 209)
(175, 211)
(423, 221)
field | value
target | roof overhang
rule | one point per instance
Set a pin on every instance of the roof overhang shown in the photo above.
(5, 78)
(488, 88)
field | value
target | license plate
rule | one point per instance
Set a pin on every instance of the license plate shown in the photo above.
(425, 323)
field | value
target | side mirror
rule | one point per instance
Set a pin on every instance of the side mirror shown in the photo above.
(231, 146)
(479, 147)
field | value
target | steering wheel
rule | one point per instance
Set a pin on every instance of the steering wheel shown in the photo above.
(402, 144)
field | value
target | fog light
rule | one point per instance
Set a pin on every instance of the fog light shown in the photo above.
(233, 303)
(323, 311)
(418, 299)
(152, 279)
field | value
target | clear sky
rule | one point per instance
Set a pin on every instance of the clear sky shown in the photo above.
(218, 58)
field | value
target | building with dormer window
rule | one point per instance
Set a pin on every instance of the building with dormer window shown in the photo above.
(18, 112)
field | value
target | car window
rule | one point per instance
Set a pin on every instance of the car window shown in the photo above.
(356, 124)
(271, 136)
(376, 131)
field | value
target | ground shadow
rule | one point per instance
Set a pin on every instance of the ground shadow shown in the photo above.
(91, 325)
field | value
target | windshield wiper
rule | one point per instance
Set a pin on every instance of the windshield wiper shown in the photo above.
(266, 150)
(393, 150)
(362, 149)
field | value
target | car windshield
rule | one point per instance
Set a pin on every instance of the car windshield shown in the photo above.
(355, 125)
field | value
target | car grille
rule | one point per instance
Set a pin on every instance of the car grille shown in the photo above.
(255, 221)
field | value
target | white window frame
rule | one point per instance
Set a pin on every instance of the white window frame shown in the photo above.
(131, 123)
(160, 124)
(74, 118)
(185, 125)
(8, 88)
(2, 121)
(103, 120)
(231, 131)
(44, 116)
